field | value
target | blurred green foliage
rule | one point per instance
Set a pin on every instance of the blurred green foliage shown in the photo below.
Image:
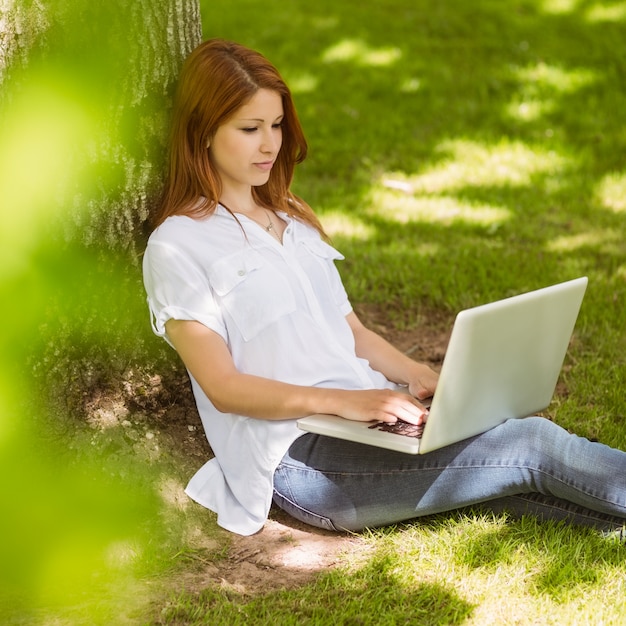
(82, 127)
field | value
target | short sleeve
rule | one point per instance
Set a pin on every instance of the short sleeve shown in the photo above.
(178, 289)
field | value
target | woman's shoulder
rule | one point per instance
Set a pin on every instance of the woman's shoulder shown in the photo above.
(188, 229)
(172, 228)
(201, 240)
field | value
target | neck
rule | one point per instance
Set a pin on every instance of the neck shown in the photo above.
(239, 203)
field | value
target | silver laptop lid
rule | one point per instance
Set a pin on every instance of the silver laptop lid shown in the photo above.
(503, 359)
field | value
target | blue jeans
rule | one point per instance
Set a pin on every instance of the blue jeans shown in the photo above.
(525, 466)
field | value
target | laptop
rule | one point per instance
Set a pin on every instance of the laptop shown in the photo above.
(503, 361)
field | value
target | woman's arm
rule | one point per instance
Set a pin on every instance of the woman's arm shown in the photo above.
(206, 356)
(388, 360)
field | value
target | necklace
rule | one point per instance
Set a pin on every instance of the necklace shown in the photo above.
(270, 228)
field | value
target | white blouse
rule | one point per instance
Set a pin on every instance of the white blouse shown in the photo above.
(281, 309)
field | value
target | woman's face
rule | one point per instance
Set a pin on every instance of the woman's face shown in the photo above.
(245, 147)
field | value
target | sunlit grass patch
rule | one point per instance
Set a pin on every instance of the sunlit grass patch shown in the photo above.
(369, 594)
(557, 7)
(402, 208)
(463, 163)
(302, 82)
(359, 52)
(528, 110)
(611, 192)
(410, 85)
(541, 86)
(606, 12)
(509, 570)
(341, 224)
(554, 78)
(611, 241)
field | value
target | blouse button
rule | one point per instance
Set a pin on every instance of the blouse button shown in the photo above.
(241, 272)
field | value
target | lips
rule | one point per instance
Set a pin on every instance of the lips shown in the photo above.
(265, 166)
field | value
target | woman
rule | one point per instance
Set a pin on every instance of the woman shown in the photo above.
(242, 283)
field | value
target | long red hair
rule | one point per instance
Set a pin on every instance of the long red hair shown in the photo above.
(217, 79)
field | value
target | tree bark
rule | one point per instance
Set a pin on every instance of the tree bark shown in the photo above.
(85, 94)
(101, 75)
(20, 27)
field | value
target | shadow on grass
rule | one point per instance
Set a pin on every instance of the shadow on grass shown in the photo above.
(370, 595)
(428, 572)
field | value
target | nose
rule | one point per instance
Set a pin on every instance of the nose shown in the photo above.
(271, 141)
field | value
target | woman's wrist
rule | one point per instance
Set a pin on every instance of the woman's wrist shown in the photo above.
(327, 400)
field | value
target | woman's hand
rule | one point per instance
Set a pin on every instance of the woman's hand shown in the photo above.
(387, 359)
(382, 405)
(423, 382)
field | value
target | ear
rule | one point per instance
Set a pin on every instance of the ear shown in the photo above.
(208, 145)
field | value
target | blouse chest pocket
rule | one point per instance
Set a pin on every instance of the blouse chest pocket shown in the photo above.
(252, 293)
(318, 258)
(321, 249)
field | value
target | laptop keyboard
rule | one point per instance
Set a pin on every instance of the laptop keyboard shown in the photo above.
(400, 428)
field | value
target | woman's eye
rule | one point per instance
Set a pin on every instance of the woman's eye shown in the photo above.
(277, 125)
(249, 130)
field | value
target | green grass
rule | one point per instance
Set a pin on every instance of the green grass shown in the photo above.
(449, 570)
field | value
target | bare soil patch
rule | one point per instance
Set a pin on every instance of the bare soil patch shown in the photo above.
(284, 555)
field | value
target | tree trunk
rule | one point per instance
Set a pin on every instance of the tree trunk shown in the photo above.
(95, 80)
(85, 94)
